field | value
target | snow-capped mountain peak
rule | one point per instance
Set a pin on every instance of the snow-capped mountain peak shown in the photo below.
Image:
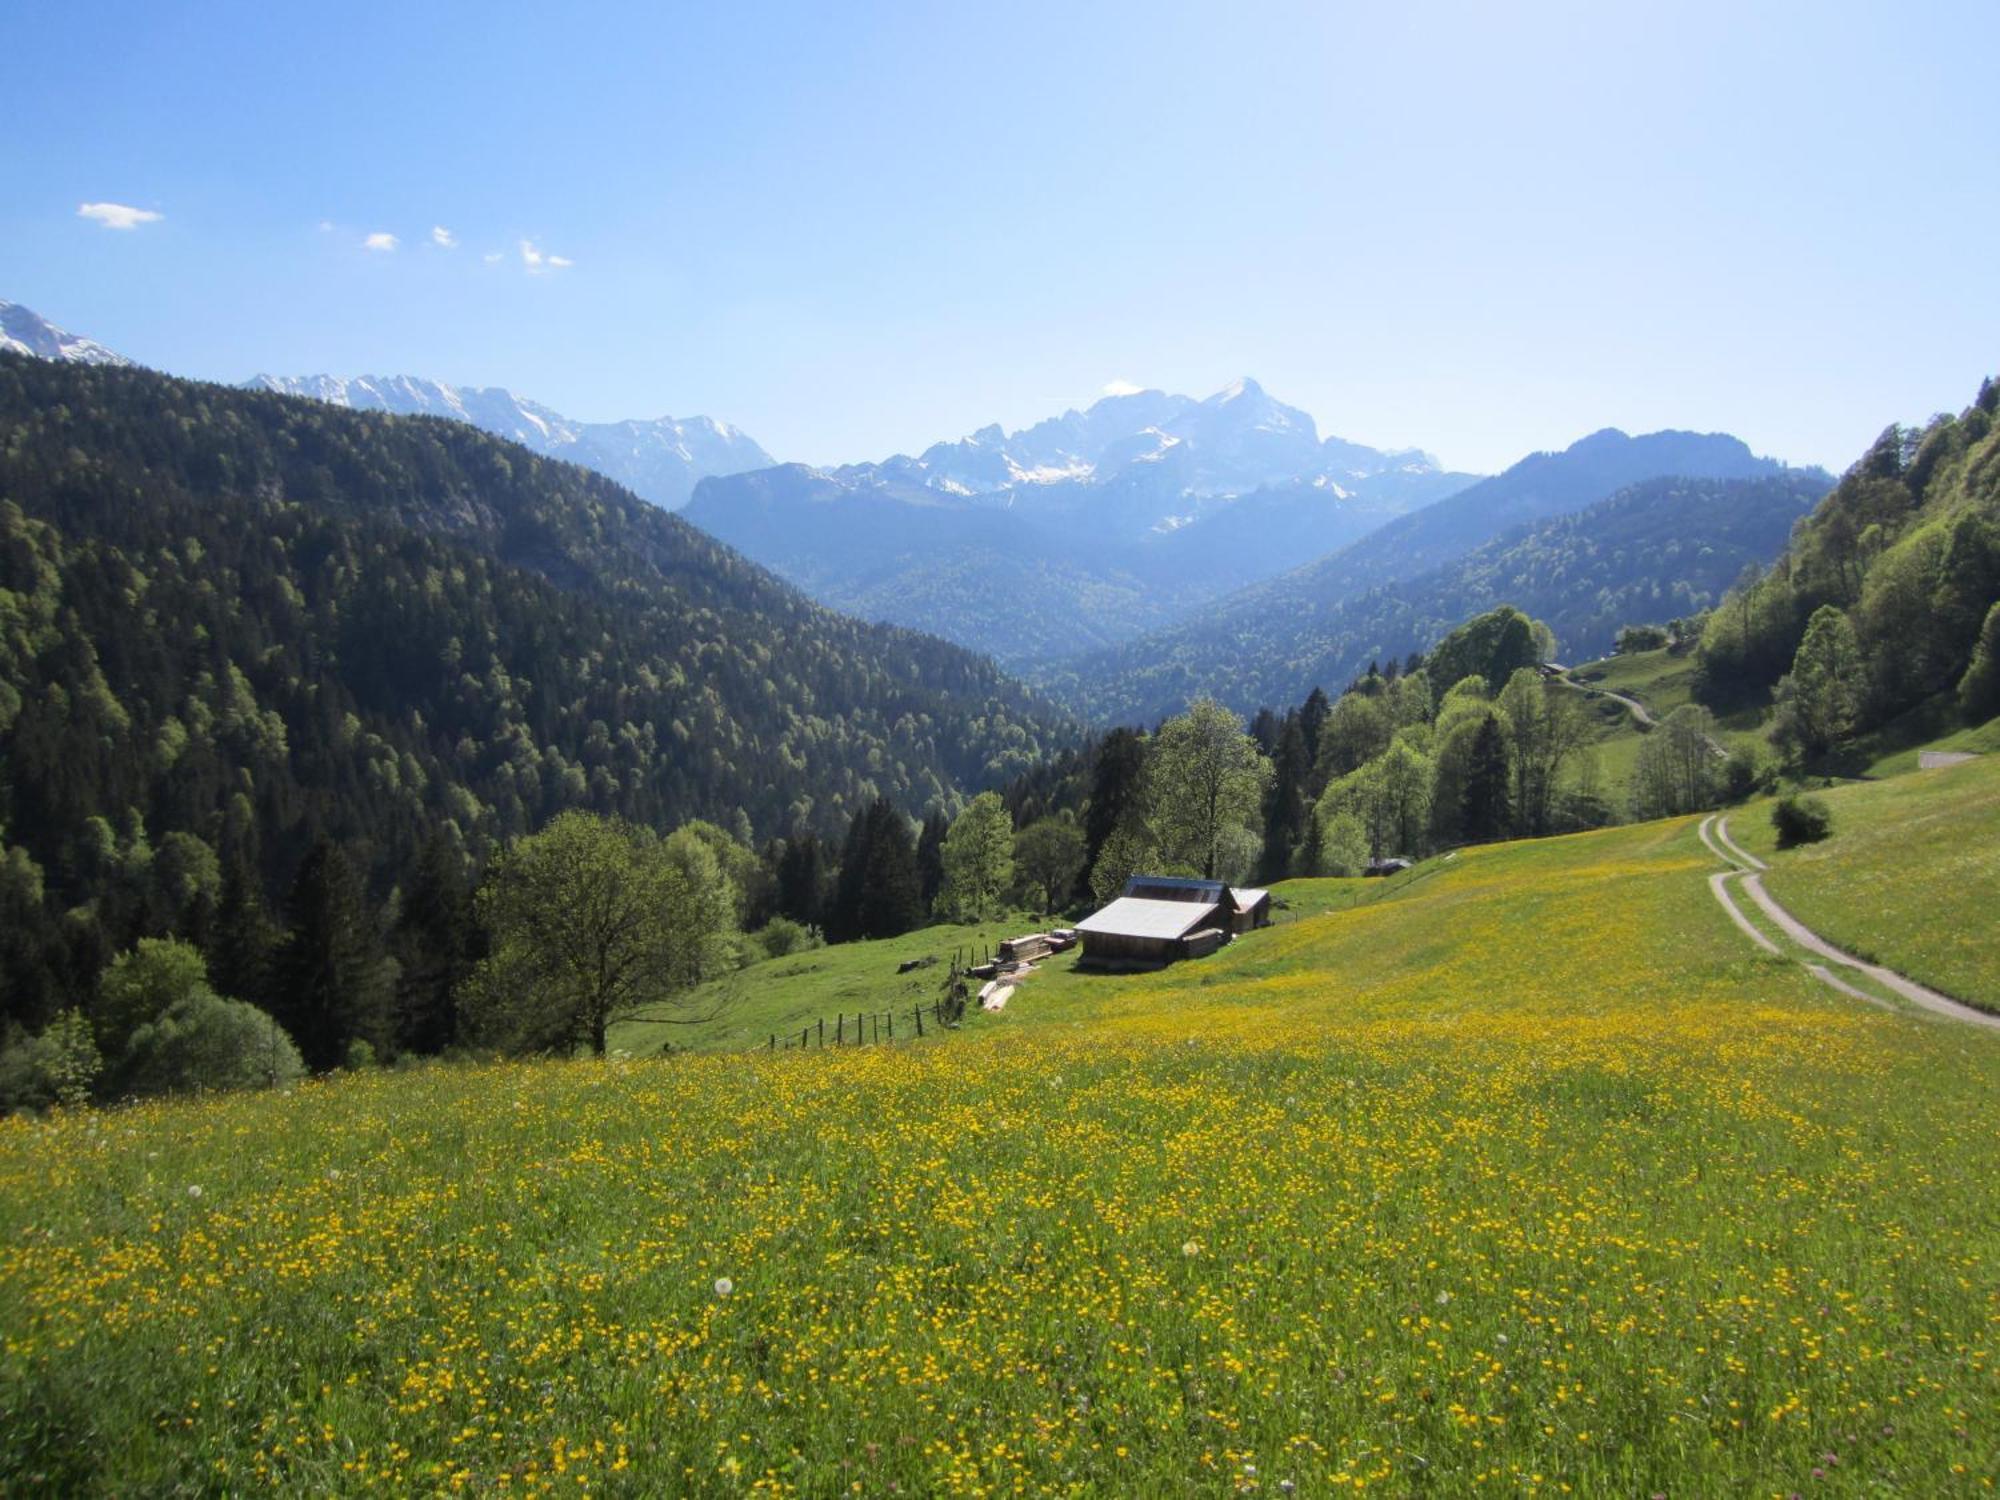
(659, 459)
(25, 331)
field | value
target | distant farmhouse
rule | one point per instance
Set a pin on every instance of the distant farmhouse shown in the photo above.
(1161, 918)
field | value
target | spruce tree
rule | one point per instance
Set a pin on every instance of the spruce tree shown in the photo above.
(1488, 780)
(930, 857)
(892, 892)
(329, 976)
(242, 940)
(436, 942)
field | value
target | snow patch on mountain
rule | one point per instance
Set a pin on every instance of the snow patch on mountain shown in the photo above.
(25, 331)
(660, 460)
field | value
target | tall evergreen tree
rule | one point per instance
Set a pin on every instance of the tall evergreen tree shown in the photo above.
(802, 879)
(1286, 808)
(892, 897)
(930, 857)
(243, 941)
(1116, 789)
(1488, 803)
(436, 942)
(1312, 719)
(331, 988)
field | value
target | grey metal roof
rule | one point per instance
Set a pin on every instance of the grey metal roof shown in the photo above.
(1134, 916)
(1247, 896)
(1176, 883)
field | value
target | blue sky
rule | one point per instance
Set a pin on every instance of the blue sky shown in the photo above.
(854, 229)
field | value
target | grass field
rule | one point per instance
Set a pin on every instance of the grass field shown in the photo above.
(1910, 877)
(1663, 682)
(779, 996)
(1525, 1177)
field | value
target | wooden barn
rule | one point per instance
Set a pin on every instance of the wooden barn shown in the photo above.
(1161, 918)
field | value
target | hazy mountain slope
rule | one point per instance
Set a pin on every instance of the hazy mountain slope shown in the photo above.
(1272, 642)
(1080, 531)
(659, 460)
(24, 331)
(240, 615)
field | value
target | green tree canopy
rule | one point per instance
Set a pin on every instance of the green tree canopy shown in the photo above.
(978, 860)
(591, 921)
(1204, 777)
(1048, 856)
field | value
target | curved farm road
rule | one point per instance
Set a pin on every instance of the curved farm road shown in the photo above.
(1641, 715)
(1746, 869)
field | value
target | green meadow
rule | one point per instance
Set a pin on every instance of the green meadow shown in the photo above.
(1521, 1174)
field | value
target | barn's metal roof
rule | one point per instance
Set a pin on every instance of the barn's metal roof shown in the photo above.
(1195, 883)
(1247, 896)
(1134, 916)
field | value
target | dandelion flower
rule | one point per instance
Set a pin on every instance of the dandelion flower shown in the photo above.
(724, 1286)
(1191, 1249)
(194, 1190)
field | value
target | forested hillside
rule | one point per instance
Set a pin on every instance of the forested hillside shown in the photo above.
(1886, 598)
(1658, 550)
(232, 624)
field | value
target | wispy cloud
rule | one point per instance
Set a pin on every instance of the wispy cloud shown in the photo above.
(1121, 388)
(537, 262)
(492, 257)
(380, 240)
(117, 215)
(443, 238)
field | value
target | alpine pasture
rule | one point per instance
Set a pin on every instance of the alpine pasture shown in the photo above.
(1528, 1177)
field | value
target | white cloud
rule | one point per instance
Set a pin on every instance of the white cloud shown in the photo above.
(443, 238)
(492, 257)
(380, 240)
(537, 262)
(117, 215)
(326, 226)
(1121, 388)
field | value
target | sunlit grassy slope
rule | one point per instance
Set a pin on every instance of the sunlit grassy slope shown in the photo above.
(1910, 877)
(1529, 1177)
(1663, 682)
(780, 996)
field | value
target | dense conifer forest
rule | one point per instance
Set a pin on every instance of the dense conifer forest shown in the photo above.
(248, 642)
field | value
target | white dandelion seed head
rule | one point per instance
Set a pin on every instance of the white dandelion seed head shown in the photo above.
(724, 1286)
(194, 1190)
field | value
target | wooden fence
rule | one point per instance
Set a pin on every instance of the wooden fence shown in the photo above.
(864, 1028)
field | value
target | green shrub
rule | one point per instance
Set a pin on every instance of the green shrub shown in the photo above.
(1801, 820)
(781, 936)
(141, 986)
(57, 1067)
(207, 1043)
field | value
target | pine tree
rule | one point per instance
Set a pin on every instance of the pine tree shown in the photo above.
(1312, 719)
(1285, 807)
(1488, 805)
(330, 988)
(436, 942)
(1116, 790)
(242, 940)
(930, 857)
(892, 893)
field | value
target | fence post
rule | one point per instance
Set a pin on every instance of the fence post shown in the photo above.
(892, 1026)
(839, 1027)
(822, 1031)
(918, 1012)
(805, 1032)
(774, 1041)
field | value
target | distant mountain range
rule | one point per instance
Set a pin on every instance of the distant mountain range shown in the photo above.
(1078, 532)
(25, 331)
(1154, 547)
(659, 460)
(1674, 546)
